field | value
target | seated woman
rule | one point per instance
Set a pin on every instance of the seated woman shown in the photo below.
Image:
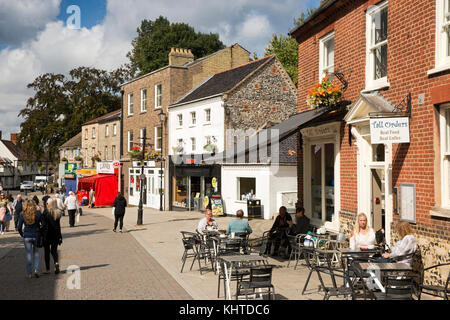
(277, 233)
(405, 247)
(362, 236)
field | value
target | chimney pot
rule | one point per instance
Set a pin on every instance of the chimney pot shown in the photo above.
(14, 138)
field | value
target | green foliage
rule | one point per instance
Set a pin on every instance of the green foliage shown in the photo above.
(60, 106)
(286, 48)
(156, 38)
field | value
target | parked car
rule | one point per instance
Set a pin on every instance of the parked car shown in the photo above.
(27, 185)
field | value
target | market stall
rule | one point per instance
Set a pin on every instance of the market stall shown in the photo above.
(105, 188)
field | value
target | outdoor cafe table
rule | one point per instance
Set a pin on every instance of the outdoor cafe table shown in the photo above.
(233, 260)
(372, 267)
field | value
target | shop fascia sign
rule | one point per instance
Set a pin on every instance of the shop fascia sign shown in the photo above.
(107, 166)
(70, 168)
(86, 172)
(389, 130)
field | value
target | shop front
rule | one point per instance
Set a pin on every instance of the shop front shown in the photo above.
(192, 186)
(321, 174)
(150, 184)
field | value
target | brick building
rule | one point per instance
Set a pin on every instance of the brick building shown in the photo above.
(143, 100)
(384, 51)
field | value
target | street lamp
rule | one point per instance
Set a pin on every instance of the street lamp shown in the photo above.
(162, 117)
(142, 179)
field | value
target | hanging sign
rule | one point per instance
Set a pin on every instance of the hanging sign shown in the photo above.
(389, 130)
(70, 168)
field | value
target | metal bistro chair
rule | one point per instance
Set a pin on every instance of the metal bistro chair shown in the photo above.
(434, 289)
(237, 275)
(296, 243)
(258, 245)
(335, 270)
(190, 241)
(311, 263)
(260, 278)
(396, 288)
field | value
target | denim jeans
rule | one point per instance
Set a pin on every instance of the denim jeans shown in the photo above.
(3, 226)
(31, 251)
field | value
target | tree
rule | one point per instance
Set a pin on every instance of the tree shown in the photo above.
(60, 106)
(286, 48)
(155, 39)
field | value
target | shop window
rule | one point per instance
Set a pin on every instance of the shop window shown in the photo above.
(246, 187)
(445, 154)
(322, 181)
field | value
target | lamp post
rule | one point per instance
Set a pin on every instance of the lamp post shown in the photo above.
(142, 178)
(162, 117)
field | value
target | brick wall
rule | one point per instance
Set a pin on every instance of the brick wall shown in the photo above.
(411, 54)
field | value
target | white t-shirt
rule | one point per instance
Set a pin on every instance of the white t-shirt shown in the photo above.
(364, 240)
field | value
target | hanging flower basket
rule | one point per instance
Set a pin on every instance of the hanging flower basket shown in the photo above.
(96, 158)
(64, 159)
(149, 154)
(210, 147)
(324, 94)
(79, 159)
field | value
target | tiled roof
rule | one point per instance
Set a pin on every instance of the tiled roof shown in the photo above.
(15, 150)
(106, 117)
(222, 82)
(73, 142)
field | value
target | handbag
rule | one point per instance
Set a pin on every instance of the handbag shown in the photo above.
(113, 210)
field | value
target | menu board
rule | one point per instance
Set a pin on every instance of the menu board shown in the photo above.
(216, 206)
(408, 202)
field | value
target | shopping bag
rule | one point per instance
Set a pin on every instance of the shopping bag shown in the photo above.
(113, 210)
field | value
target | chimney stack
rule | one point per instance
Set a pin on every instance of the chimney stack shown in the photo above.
(179, 57)
(14, 138)
(0, 134)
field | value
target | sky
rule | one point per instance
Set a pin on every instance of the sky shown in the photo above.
(45, 36)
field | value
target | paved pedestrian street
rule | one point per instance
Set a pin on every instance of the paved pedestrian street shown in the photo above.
(111, 266)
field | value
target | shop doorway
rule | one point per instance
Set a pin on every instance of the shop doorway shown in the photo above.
(378, 199)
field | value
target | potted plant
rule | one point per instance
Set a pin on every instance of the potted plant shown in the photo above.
(96, 158)
(78, 158)
(324, 94)
(211, 146)
(64, 159)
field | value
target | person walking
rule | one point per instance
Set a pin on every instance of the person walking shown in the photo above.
(71, 204)
(60, 203)
(33, 221)
(3, 213)
(119, 205)
(17, 207)
(9, 215)
(52, 216)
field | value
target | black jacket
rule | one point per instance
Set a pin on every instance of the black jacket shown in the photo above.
(120, 204)
(276, 224)
(53, 229)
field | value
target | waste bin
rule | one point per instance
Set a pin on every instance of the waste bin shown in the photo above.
(254, 209)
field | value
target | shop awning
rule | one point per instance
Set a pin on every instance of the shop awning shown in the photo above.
(105, 186)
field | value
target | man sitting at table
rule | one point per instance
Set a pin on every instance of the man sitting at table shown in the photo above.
(277, 233)
(207, 223)
(302, 225)
(239, 225)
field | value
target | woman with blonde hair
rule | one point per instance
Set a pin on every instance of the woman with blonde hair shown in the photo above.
(362, 236)
(33, 221)
(52, 216)
(403, 249)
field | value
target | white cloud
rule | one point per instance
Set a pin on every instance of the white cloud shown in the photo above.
(21, 20)
(45, 45)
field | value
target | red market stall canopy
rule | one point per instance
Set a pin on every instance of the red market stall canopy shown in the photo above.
(105, 187)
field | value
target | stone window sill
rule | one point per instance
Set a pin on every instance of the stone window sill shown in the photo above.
(440, 212)
(439, 69)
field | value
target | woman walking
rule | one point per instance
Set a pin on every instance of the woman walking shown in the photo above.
(33, 221)
(119, 210)
(52, 216)
(3, 214)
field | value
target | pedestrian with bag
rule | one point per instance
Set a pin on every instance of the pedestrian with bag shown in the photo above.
(32, 238)
(17, 207)
(119, 210)
(71, 204)
(52, 216)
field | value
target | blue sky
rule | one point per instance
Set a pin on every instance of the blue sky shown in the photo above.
(35, 38)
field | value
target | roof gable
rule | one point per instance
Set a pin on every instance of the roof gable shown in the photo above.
(222, 82)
